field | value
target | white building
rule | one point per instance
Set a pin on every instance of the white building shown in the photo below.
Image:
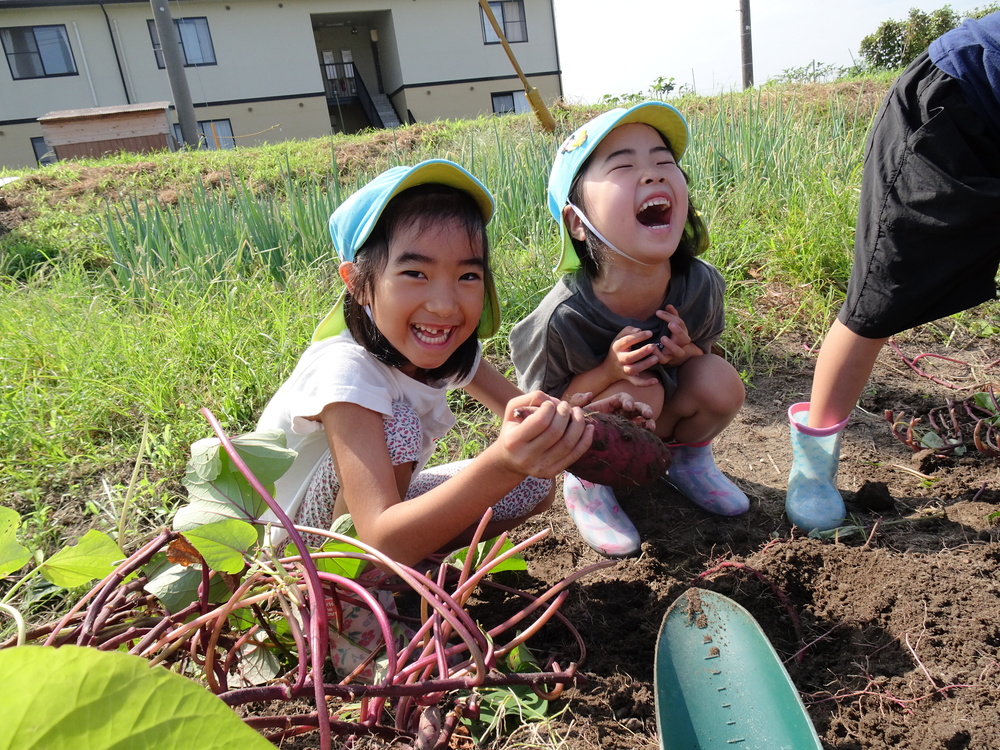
(270, 70)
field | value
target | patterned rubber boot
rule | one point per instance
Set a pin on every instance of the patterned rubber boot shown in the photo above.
(694, 473)
(601, 521)
(813, 501)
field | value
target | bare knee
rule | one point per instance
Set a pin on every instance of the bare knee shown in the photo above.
(714, 384)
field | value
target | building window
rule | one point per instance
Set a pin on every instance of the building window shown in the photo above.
(43, 154)
(510, 16)
(38, 51)
(195, 39)
(510, 103)
(213, 135)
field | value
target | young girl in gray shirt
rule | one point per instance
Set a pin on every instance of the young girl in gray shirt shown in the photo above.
(635, 311)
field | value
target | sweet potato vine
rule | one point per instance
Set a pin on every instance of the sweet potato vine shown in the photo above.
(214, 598)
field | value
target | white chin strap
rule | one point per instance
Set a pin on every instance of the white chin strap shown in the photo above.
(601, 237)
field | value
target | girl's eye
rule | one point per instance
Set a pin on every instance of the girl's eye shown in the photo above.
(413, 274)
(471, 276)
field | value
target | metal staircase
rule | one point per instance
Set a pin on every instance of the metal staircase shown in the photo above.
(386, 111)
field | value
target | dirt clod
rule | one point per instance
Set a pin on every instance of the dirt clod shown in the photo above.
(874, 496)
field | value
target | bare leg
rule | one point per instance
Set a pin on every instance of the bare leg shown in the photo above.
(844, 365)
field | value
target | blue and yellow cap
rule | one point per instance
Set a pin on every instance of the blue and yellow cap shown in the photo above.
(575, 150)
(353, 221)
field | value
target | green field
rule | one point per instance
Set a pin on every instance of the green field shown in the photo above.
(136, 290)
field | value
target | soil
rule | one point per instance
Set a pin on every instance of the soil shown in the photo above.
(890, 632)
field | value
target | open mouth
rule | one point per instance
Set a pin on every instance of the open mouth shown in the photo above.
(432, 336)
(654, 213)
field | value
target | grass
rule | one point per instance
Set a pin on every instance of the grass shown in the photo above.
(136, 289)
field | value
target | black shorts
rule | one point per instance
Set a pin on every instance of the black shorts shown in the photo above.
(927, 243)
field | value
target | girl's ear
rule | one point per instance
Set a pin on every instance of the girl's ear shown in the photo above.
(347, 273)
(573, 224)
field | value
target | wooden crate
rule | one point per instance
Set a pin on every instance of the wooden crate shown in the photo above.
(137, 128)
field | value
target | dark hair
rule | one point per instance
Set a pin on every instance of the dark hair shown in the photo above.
(693, 242)
(420, 207)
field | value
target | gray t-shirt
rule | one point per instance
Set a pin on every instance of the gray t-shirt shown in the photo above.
(571, 330)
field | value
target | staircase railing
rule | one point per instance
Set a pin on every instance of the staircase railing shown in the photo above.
(344, 86)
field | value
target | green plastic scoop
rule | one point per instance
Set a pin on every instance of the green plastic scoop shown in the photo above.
(720, 684)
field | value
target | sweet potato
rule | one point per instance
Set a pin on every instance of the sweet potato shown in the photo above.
(622, 454)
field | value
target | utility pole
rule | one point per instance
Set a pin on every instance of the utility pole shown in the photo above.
(746, 46)
(170, 46)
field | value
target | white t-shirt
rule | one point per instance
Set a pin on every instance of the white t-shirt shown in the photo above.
(339, 370)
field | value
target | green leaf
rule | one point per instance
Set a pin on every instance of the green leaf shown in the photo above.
(223, 543)
(257, 664)
(501, 708)
(97, 700)
(265, 454)
(176, 586)
(94, 556)
(204, 462)
(931, 440)
(348, 567)
(13, 555)
(516, 562)
(520, 659)
(341, 566)
(217, 489)
(519, 702)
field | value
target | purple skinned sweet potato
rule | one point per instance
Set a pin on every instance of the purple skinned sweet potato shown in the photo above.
(623, 454)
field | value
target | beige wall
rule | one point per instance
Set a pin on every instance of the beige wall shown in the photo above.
(271, 121)
(15, 145)
(428, 52)
(253, 124)
(97, 84)
(461, 100)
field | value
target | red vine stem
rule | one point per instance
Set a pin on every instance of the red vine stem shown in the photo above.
(318, 634)
(912, 363)
(116, 576)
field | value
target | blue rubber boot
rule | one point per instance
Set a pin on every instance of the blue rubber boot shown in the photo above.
(694, 473)
(813, 501)
(601, 521)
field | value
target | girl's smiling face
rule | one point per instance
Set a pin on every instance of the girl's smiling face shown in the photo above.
(429, 298)
(634, 194)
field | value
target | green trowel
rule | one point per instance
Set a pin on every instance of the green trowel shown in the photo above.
(720, 684)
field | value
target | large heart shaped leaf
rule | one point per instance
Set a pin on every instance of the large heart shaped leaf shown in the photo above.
(97, 700)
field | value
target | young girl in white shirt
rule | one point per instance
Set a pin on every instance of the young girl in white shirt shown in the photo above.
(368, 398)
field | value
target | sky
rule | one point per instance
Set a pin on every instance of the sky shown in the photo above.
(622, 46)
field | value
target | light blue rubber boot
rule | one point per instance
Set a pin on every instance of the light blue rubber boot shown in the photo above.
(813, 500)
